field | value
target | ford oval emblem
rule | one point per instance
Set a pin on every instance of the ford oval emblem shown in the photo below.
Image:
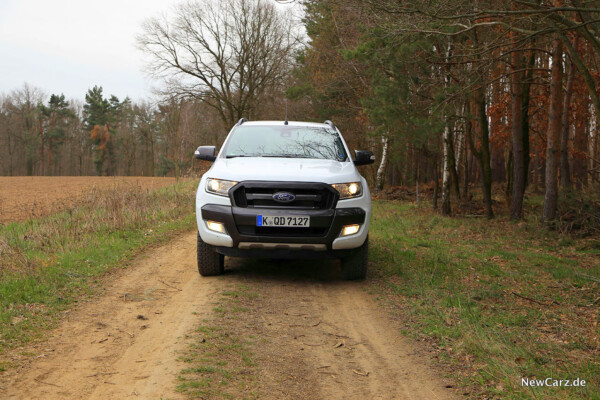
(283, 197)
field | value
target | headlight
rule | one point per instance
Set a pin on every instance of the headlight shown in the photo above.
(218, 186)
(348, 190)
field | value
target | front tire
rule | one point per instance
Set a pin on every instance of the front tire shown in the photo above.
(210, 263)
(355, 266)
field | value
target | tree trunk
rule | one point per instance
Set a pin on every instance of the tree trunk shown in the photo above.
(468, 157)
(446, 208)
(525, 113)
(42, 146)
(520, 94)
(436, 183)
(581, 143)
(48, 170)
(518, 152)
(459, 156)
(595, 154)
(453, 170)
(484, 159)
(108, 151)
(152, 158)
(10, 149)
(379, 181)
(565, 171)
(417, 180)
(448, 148)
(553, 136)
(509, 168)
(454, 159)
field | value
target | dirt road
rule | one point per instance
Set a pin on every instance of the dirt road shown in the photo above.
(324, 338)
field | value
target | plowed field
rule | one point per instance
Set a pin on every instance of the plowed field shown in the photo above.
(27, 197)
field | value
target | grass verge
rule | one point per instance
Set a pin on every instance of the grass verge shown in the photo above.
(47, 264)
(497, 301)
(219, 361)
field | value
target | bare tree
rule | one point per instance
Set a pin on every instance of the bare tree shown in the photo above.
(226, 53)
(22, 105)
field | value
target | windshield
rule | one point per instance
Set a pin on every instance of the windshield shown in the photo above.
(285, 141)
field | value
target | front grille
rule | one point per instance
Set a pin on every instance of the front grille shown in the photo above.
(309, 196)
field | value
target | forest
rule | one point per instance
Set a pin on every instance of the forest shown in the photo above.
(485, 100)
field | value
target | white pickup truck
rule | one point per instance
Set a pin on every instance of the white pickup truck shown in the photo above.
(281, 189)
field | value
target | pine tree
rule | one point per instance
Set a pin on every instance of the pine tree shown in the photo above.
(54, 120)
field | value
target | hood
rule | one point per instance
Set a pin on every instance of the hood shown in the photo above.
(283, 169)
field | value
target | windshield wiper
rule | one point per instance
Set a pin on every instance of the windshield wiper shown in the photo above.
(286, 156)
(241, 155)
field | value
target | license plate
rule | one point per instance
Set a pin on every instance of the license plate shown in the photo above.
(270, 220)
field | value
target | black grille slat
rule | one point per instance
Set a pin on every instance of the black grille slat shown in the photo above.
(239, 197)
(309, 197)
(259, 196)
(275, 205)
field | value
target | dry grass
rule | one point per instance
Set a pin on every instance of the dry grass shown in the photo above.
(494, 300)
(28, 245)
(219, 360)
(48, 263)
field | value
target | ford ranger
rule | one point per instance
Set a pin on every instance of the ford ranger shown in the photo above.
(280, 189)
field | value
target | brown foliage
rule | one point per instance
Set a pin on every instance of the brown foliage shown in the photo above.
(101, 135)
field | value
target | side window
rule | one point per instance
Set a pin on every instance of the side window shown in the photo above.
(339, 147)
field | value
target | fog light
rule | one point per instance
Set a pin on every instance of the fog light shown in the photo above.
(350, 230)
(215, 226)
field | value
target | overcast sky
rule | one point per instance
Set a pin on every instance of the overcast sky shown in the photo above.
(64, 46)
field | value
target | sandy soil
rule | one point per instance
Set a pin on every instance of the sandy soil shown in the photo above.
(24, 197)
(326, 339)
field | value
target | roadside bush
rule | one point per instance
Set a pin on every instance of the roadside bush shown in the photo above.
(579, 214)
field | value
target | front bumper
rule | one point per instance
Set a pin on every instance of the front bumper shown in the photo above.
(242, 238)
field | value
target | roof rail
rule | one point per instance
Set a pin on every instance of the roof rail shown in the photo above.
(241, 121)
(331, 124)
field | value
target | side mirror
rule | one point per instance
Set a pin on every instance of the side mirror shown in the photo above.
(207, 153)
(363, 157)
